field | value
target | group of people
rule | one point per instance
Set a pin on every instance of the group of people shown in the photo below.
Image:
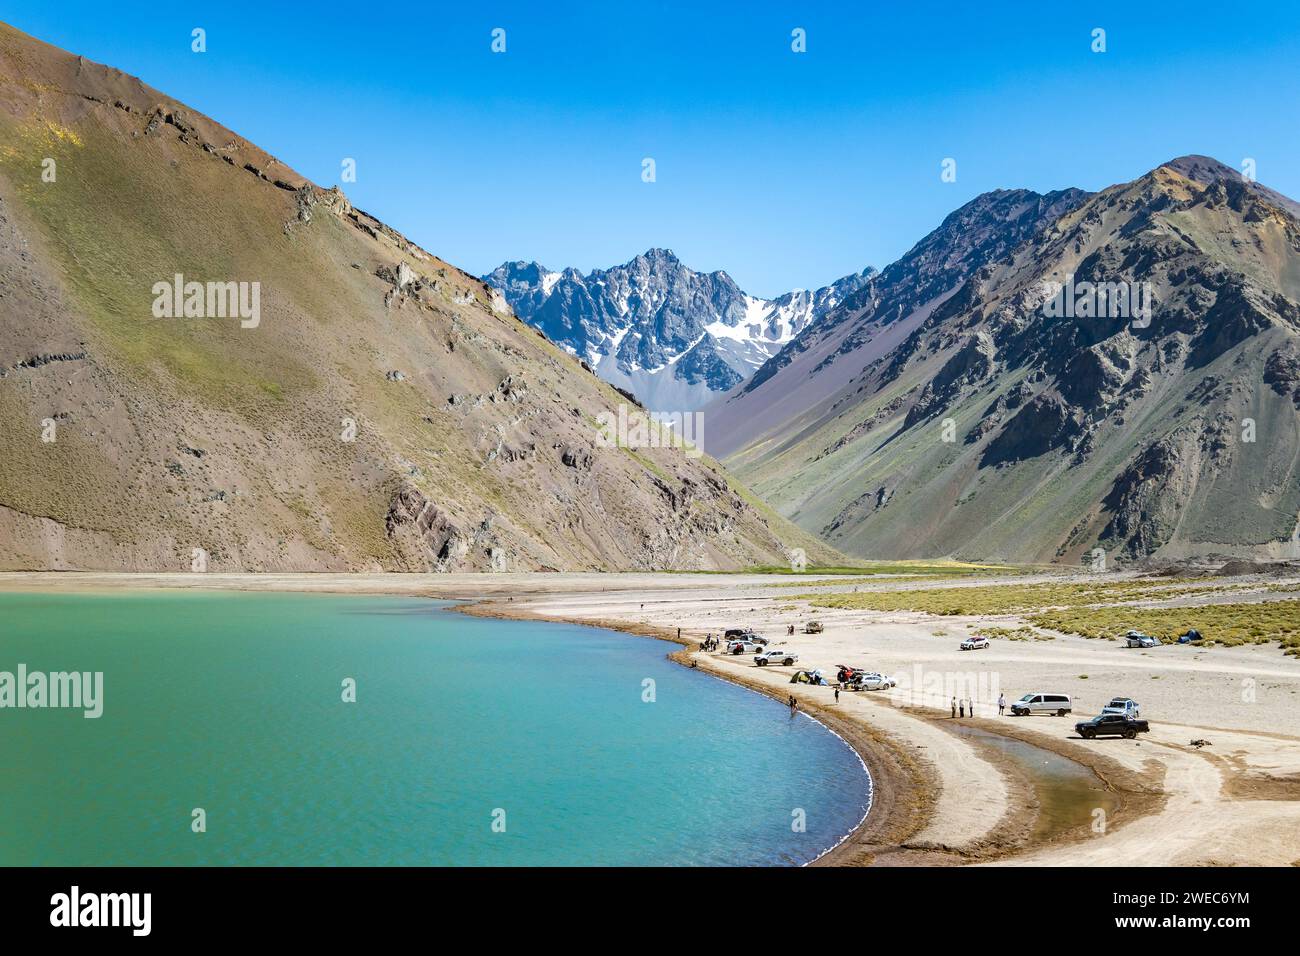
(960, 708)
(711, 643)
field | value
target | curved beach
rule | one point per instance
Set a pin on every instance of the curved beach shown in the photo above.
(903, 825)
(945, 799)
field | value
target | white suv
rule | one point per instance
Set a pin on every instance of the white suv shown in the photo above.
(1058, 704)
(777, 655)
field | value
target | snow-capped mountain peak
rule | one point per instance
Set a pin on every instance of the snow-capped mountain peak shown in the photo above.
(672, 336)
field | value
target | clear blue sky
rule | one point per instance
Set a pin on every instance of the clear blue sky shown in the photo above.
(787, 170)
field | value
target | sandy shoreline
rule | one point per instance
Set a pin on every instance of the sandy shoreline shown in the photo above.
(902, 786)
(1236, 801)
(939, 797)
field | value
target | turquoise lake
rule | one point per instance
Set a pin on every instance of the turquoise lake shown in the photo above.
(232, 702)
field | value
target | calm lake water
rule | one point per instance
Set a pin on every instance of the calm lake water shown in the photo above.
(233, 703)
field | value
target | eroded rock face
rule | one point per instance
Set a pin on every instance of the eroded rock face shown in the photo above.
(1047, 422)
(573, 457)
(973, 362)
(308, 197)
(1146, 497)
(411, 514)
(1093, 376)
(1282, 372)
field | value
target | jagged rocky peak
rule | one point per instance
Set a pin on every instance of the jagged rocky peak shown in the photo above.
(1209, 171)
(659, 258)
(673, 336)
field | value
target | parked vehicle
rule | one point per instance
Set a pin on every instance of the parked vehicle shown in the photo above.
(865, 680)
(974, 644)
(777, 655)
(875, 681)
(1191, 637)
(745, 647)
(845, 673)
(813, 627)
(1138, 639)
(731, 632)
(1111, 725)
(1038, 703)
(1122, 705)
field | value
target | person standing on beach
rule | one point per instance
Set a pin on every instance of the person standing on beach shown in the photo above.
(1002, 704)
(837, 695)
(961, 707)
(794, 705)
(954, 707)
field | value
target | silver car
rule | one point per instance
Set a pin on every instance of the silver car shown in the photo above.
(1123, 705)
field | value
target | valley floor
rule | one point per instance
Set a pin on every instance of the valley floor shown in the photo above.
(942, 797)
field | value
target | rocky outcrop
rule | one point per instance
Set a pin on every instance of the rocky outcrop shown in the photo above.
(1282, 372)
(411, 514)
(1145, 500)
(1045, 423)
(973, 362)
(577, 458)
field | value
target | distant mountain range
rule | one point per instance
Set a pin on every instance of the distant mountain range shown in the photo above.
(958, 405)
(672, 336)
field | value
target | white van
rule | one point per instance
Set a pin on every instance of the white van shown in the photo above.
(1058, 704)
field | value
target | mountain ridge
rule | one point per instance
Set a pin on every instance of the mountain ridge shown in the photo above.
(931, 270)
(1065, 434)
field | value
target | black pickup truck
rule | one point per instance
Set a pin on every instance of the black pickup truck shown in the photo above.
(1111, 725)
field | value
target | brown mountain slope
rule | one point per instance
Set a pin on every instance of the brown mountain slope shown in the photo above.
(826, 356)
(383, 412)
(985, 425)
